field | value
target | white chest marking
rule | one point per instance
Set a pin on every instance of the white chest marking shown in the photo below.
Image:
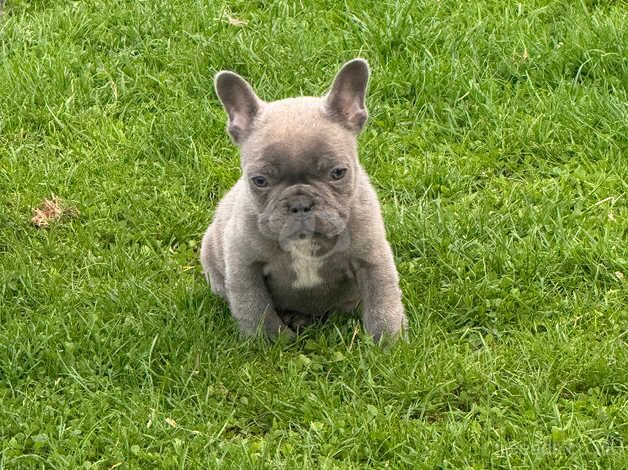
(305, 264)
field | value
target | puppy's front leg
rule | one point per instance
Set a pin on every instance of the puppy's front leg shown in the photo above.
(382, 309)
(250, 302)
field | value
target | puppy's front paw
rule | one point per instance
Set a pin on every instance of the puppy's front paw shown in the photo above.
(386, 324)
(296, 321)
(275, 328)
(267, 325)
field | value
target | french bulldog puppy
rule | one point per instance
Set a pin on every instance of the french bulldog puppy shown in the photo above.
(300, 234)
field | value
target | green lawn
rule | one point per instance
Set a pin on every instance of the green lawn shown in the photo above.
(498, 144)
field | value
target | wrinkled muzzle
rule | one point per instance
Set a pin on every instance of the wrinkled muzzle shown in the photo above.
(306, 216)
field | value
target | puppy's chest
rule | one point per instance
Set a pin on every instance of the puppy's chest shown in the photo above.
(303, 265)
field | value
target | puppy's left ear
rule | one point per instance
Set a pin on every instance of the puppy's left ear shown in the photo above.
(345, 100)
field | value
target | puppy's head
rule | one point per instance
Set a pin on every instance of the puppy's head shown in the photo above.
(299, 155)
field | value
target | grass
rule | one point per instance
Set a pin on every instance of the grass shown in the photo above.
(498, 145)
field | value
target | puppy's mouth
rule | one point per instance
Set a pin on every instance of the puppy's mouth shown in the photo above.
(318, 235)
(315, 234)
(321, 221)
(300, 228)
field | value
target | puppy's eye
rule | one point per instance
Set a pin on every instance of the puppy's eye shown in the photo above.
(338, 173)
(259, 181)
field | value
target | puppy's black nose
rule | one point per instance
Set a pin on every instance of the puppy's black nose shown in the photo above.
(300, 205)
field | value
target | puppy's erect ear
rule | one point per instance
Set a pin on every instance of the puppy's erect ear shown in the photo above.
(240, 102)
(345, 100)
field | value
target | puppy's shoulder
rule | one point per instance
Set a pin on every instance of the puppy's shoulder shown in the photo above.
(366, 206)
(368, 233)
(238, 225)
(231, 199)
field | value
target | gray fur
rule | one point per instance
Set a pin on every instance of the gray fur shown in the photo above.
(306, 244)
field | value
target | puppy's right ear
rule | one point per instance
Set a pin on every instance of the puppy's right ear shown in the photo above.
(240, 102)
